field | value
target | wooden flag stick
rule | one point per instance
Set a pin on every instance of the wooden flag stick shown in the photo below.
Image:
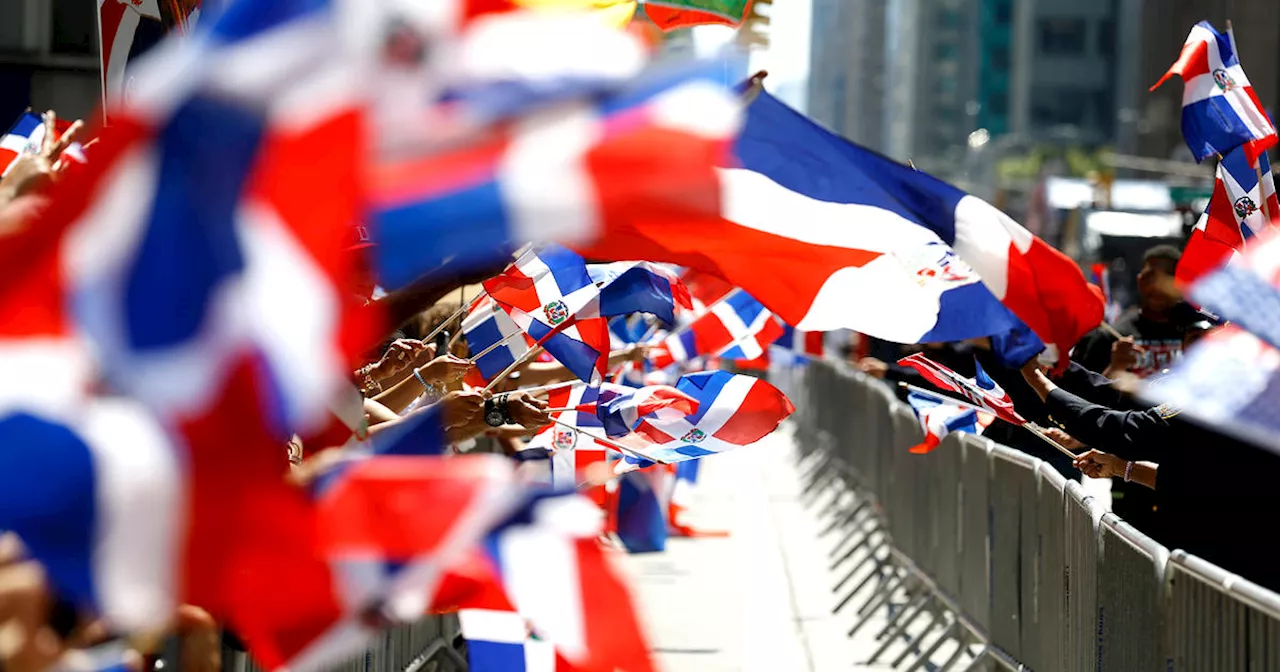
(514, 365)
(546, 388)
(1106, 326)
(609, 442)
(1039, 431)
(562, 410)
(447, 321)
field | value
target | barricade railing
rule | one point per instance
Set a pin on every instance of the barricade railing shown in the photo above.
(983, 556)
(432, 644)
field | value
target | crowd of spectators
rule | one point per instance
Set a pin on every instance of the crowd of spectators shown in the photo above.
(1180, 482)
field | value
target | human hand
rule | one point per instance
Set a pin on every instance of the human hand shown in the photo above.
(200, 640)
(445, 369)
(527, 410)
(31, 172)
(29, 644)
(873, 367)
(1097, 464)
(1064, 439)
(463, 409)
(1125, 354)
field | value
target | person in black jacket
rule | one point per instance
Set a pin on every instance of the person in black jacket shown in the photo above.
(1214, 493)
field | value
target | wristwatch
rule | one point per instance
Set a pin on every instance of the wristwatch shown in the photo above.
(495, 411)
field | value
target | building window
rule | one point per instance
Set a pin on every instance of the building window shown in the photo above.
(999, 59)
(1004, 12)
(75, 27)
(1062, 37)
(945, 51)
(1107, 38)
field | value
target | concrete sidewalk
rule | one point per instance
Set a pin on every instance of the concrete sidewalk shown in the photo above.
(758, 598)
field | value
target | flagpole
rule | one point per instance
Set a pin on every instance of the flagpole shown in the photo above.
(609, 442)
(545, 388)
(1257, 167)
(514, 365)
(495, 346)
(1029, 426)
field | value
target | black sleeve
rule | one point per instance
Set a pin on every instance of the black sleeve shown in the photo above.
(1130, 435)
(1095, 387)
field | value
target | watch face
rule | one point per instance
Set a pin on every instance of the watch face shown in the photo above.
(493, 418)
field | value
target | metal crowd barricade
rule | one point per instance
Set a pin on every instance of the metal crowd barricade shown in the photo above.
(981, 556)
(429, 645)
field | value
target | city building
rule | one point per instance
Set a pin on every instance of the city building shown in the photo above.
(848, 76)
(48, 57)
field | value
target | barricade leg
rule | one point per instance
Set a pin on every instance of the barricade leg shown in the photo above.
(877, 600)
(914, 644)
(898, 624)
(933, 648)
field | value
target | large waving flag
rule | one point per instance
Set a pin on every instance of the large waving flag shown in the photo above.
(1220, 111)
(733, 410)
(551, 284)
(981, 389)
(868, 244)
(939, 417)
(1237, 212)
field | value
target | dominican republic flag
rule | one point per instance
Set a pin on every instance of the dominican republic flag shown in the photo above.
(628, 287)
(551, 284)
(195, 239)
(868, 244)
(500, 641)
(642, 510)
(561, 177)
(733, 410)
(1246, 291)
(621, 408)
(130, 28)
(572, 453)
(558, 577)
(805, 343)
(940, 416)
(97, 499)
(1234, 216)
(488, 325)
(981, 390)
(27, 134)
(731, 321)
(1220, 111)
(1228, 380)
(580, 343)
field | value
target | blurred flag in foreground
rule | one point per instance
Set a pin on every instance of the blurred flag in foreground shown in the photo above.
(1237, 212)
(1220, 111)
(1230, 380)
(1247, 290)
(940, 416)
(675, 14)
(568, 176)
